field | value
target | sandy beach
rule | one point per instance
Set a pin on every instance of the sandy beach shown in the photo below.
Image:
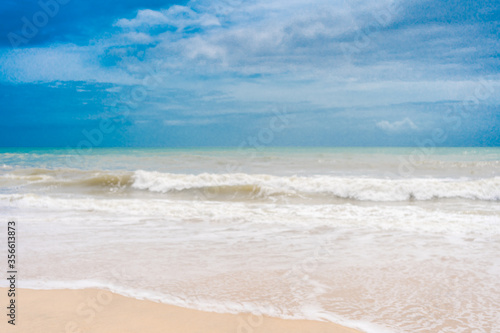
(93, 310)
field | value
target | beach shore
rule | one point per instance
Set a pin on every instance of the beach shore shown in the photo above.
(93, 310)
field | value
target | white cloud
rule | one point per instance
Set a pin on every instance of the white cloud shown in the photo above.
(293, 46)
(177, 16)
(139, 37)
(144, 17)
(397, 126)
(258, 36)
(198, 47)
(58, 63)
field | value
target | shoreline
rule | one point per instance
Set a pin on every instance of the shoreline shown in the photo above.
(97, 310)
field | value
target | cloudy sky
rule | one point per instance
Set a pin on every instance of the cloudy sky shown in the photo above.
(220, 72)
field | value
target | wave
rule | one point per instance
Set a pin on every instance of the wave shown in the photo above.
(468, 218)
(67, 178)
(353, 188)
(235, 186)
(201, 303)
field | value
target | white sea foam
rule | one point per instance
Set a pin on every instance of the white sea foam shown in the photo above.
(464, 218)
(365, 189)
(203, 304)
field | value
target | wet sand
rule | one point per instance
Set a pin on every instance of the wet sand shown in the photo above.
(96, 311)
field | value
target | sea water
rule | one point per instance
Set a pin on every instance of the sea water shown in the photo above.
(380, 239)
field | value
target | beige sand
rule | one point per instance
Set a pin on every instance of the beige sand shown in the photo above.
(92, 310)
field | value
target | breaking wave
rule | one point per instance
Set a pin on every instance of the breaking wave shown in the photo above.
(244, 186)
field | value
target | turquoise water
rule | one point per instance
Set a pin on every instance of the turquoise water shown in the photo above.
(391, 162)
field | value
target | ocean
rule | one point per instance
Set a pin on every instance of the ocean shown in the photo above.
(379, 239)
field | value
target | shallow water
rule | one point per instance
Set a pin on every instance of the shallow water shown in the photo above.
(383, 239)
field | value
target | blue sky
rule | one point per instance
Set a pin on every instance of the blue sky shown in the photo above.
(221, 72)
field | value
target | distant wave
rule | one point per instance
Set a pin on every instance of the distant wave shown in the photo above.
(67, 178)
(259, 186)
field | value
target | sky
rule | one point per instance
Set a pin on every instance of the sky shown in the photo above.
(88, 73)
